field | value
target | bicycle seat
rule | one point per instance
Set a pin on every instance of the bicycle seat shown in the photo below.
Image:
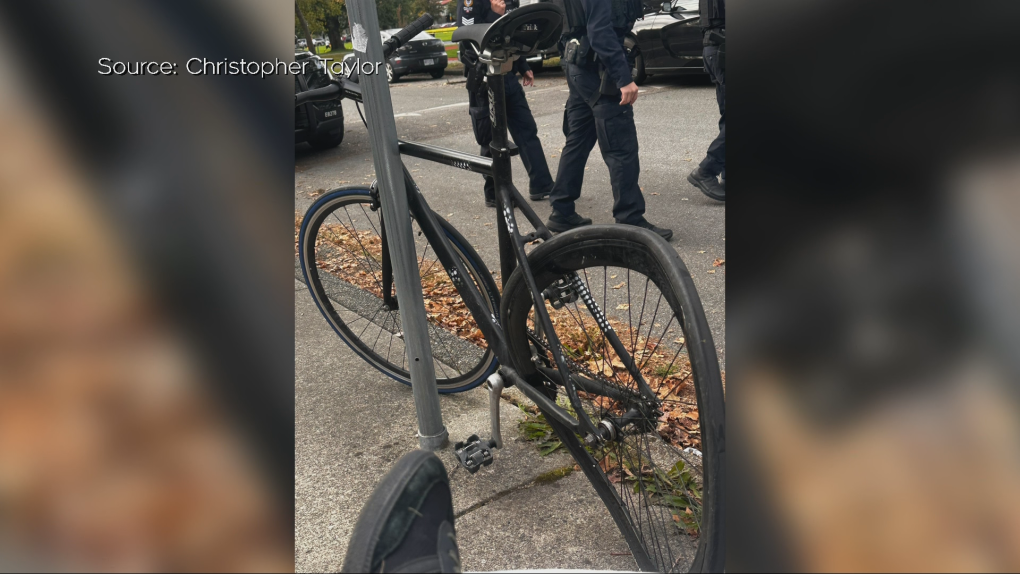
(521, 32)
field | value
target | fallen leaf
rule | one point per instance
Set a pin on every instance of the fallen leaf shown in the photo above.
(719, 263)
(701, 252)
(712, 271)
(655, 193)
(622, 283)
(623, 306)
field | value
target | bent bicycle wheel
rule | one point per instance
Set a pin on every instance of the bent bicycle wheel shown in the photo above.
(660, 473)
(340, 248)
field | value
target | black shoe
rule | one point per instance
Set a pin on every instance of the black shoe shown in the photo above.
(666, 234)
(560, 223)
(540, 195)
(407, 523)
(490, 202)
(708, 184)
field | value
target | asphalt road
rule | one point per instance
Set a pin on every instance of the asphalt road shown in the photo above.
(353, 423)
(676, 119)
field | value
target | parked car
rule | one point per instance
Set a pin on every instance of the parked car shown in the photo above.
(321, 124)
(302, 43)
(423, 53)
(666, 41)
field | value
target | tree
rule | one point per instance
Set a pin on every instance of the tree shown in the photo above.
(330, 16)
(399, 13)
(326, 16)
(304, 27)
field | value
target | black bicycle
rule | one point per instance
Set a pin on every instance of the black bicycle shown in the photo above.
(618, 357)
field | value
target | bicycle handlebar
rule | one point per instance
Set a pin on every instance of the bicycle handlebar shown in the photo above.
(349, 87)
(330, 92)
(400, 38)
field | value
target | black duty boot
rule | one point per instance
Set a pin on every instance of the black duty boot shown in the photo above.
(666, 234)
(490, 202)
(407, 523)
(539, 195)
(708, 184)
(560, 223)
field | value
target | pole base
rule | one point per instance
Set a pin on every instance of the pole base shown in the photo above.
(434, 442)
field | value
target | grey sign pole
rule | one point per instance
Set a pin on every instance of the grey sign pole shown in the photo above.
(382, 134)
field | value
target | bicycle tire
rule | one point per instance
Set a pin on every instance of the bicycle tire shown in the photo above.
(626, 472)
(346, 298)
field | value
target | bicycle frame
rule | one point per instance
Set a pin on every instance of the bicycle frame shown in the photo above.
(511, 255)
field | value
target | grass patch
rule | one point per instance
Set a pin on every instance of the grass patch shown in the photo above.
(537, 430)
(554, 475)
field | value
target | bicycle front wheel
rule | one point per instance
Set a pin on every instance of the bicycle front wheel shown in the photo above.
(340, 249)
(660, 473)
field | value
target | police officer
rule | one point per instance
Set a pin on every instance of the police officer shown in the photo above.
(520, 122)
(713, 23)
(599, 108)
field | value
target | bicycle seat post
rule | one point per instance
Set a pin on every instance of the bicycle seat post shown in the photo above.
(382, 133)
(497, 65)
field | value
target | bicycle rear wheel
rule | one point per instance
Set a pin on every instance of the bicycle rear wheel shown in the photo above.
(340, 249)
(661, 473)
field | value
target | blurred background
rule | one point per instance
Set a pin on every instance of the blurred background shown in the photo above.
(873, 286)
(146, 308)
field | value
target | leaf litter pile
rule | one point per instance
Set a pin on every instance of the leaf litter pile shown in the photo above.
(356, 256)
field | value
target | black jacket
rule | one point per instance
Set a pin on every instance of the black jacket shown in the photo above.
(606, 40)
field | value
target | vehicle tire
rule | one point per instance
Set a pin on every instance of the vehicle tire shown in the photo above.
(340, 252)
(327, 141)
(660, 477)
(638, 71)
(438, 73)
(391, 76)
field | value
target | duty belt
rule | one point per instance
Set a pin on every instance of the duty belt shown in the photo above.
(714, 36)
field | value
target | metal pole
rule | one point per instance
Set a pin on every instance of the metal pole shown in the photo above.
(382, 134)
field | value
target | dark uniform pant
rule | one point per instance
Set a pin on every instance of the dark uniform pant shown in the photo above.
(715, 160)
(523, 130)
(612, 126)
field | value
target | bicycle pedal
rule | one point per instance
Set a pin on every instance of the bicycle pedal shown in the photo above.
(473, 453)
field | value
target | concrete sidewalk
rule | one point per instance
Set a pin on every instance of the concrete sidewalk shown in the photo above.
(353, 423)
